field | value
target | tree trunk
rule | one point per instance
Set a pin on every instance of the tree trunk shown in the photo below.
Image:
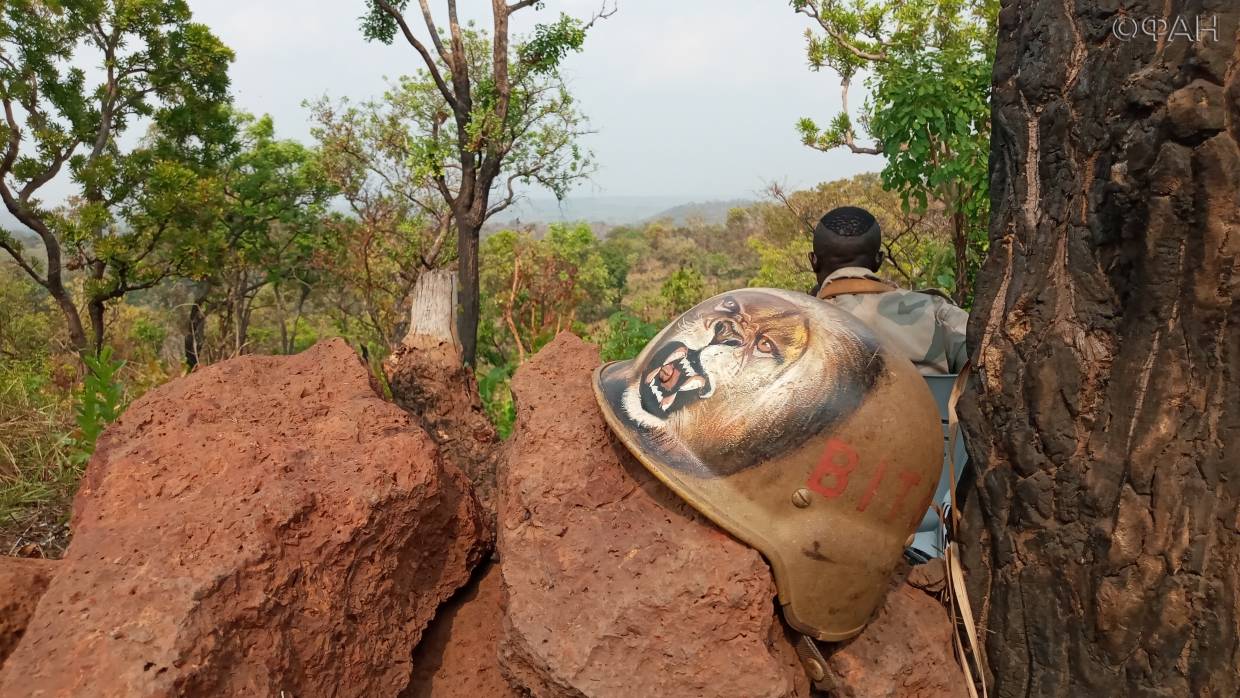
(431, 313)
(960, 240)
(429, 380)
(96, 310)
(1103, 542)
(467, 293)
(77, 333)
(195, 336)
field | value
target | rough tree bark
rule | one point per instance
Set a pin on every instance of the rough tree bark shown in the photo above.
(1103, 542)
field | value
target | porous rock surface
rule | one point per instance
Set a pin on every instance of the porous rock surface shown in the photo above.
(22, 583)
(614, 587)
(457, 656)
(905, 651)
(267, 526)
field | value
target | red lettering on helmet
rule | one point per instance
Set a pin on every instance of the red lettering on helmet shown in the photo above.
(872, 486)
(831, 465)
(909, 480)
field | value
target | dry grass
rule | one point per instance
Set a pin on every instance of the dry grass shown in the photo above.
(37, 475)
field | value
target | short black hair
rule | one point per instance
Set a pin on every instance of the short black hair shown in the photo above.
(847, 236)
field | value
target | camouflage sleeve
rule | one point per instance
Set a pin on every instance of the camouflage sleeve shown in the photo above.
(954, 320)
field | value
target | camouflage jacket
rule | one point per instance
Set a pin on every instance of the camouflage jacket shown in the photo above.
(924, 326)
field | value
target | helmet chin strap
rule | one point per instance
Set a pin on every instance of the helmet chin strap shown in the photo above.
(814, 663)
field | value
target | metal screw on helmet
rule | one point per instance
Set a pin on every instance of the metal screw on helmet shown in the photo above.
(801, 498)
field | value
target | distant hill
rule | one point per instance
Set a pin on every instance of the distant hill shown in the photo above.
(709, 212)
(606, 212)
(612, 210)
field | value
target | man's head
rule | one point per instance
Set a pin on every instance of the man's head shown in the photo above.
(846, 237)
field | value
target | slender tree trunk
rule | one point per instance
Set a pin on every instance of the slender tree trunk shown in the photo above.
(302, 295)
(77, 333)
(512, 301)
(196, 335)
(1103, 542)
(96, 310)
(960, 240)
(467, 291)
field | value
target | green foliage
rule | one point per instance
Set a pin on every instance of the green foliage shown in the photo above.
(918, 244)
(929, 67)
(534, 288)
(268, 232)
(549, 44)
(684, 289)
(137, 210)
(35, 443)
(624, 336)
(783, 266)
(495, 389)
(99, 402)
(534, 133)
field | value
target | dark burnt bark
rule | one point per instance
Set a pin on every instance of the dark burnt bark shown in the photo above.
(1103, 539)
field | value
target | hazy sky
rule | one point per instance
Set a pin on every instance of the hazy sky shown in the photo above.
(689, 98)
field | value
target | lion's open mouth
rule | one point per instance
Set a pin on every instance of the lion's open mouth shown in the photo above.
(674, 378)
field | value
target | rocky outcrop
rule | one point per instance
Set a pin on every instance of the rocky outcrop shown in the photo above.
(614, 586)
(457, 657)
(905, 651)
(266, 526)
(22, 583)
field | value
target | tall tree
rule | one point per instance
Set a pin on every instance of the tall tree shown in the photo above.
(492, 114)
(1103, 546)
(134, 215)
(928, 115)
(269, 233)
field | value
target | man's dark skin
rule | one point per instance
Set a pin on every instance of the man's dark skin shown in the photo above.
(846, 237)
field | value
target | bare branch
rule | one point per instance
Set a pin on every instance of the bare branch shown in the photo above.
(429, 60)
(520, 5)
(434, 31)
(849, 135)
(15, 140)
(603, 13)
(18, 257)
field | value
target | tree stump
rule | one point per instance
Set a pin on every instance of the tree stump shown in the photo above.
(429, 380)
(1103, 542)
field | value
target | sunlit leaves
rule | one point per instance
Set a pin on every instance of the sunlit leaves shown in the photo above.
(151, 68)
(928, 65)
(543, 51)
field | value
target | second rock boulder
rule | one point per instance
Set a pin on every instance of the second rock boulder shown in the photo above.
(614, 587)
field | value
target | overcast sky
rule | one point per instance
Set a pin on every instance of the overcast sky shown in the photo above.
(690, 98)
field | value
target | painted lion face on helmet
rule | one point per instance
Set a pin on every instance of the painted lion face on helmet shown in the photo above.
(742, 377)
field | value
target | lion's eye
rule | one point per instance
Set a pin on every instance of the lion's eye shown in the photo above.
(766, 346)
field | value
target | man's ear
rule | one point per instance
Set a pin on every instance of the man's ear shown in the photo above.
(813, 261)
(878, 260)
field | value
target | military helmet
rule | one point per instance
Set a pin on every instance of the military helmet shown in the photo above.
(787, 422)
